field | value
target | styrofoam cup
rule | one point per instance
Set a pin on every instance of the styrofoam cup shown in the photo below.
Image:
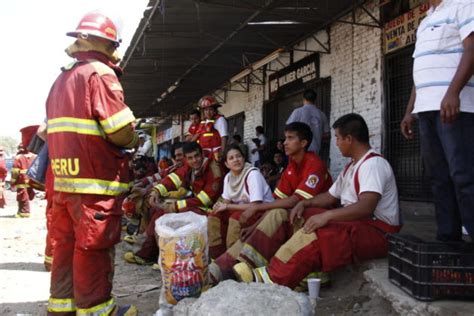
(313, 287)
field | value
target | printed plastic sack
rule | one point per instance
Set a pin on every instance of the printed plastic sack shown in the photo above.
(182, 239)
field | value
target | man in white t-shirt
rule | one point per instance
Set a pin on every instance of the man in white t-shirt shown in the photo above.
(332, 238)
(443, 100)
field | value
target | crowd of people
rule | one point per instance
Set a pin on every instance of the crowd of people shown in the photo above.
(274, 215)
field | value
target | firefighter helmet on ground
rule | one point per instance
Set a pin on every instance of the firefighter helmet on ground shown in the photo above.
(208, 101)
(97, 24)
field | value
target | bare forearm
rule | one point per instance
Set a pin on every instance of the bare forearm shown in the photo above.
(240, 207)
(465, 69)
(287, 203)
(363, 208)
(323, 200)
(411, 102)
(224, 142)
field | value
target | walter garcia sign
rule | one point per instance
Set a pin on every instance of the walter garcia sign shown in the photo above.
(295, 75)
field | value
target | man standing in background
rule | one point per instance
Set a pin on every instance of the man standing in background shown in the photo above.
(443, 100)
(312, 116)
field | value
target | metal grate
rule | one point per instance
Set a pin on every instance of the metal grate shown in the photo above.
(404, 156)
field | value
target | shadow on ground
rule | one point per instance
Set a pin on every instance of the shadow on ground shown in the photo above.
(29, 266)
(23, 308)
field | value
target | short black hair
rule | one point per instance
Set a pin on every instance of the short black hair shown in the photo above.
(237, 137)
(190, 147)
(310, 95)
(259, 129)
(232, 147)
(195, 112)
(302, 131)
(175, 147)
(353, 124)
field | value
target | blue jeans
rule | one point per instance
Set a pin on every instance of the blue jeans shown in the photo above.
(448, 154)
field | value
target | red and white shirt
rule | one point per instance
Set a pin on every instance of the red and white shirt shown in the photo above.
(374, 175)
(305, 180)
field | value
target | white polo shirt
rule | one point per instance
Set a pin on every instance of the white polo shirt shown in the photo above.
(375, 175)
(438, 51)
(258, 189)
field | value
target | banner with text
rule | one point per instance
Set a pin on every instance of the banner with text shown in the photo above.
(401, 32)
(296, 74)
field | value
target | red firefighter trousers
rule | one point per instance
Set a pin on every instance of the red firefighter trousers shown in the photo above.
(24, 196)
(331, 247)
(48, 251)
(85, 228)
(290, 256)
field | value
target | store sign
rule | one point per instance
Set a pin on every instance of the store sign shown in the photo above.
(401, 32)
(296, 74)
(164, 136)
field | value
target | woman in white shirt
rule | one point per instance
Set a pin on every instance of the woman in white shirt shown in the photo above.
(243, 185)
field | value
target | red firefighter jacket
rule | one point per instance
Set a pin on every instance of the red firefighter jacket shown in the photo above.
(206, 185)
(193, 129)
(85, 105)
(21, 164)
(209, 137)
(156, 177)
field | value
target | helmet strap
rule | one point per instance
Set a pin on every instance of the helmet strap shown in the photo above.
(89, 44)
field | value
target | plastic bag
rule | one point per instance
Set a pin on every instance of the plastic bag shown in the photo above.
(37, 171)
(183, 243)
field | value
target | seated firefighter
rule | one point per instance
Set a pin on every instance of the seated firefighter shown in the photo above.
(325, 239)
(203, 177)
(305, 176)
(244, 185)
(135, 205)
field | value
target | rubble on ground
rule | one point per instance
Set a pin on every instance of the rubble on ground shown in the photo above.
(232, 298)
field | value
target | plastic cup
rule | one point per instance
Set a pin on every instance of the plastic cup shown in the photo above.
(313, 287)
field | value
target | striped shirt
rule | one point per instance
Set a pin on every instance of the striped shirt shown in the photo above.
(438, 51)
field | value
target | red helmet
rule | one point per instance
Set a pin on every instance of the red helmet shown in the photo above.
(97, 24)
(207, 101)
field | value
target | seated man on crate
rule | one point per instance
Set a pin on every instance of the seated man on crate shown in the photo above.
(327, 238)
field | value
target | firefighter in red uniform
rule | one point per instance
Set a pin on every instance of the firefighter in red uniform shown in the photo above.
(212, 132)
(202, 176)
(24, 192)
(326, 239)
(89, 126)
(3, 175)
(305, 176)
(195, 118)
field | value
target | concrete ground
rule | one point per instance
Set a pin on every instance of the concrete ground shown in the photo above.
(356, 290)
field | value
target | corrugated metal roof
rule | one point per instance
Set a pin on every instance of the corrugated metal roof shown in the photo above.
(193, 47)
